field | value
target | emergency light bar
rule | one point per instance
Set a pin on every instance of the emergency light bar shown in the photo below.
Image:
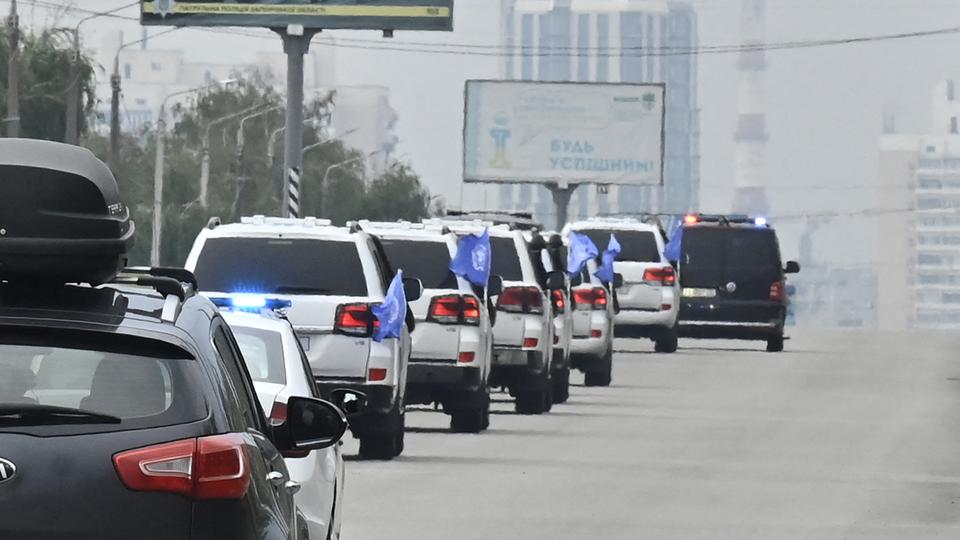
(250, 302)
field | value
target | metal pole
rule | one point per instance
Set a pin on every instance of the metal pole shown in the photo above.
(326, 174)
(115, 115)
(296, 42)
(71, 136)
(205, 151)
(13, 73)
(158, 167)
(561, 198)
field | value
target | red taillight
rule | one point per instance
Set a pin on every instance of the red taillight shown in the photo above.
(530, 343)
(559, 304)
(665, 275)
(278, 414)
(355, 320)
(776, 290)
(467, 357)
(377, 374)
(595, 298)
(521, 300)
(455, 309)
(215, 467)
(596, 333)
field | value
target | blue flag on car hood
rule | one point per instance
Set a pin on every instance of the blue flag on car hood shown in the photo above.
(581, 250)
(392, 312)
(605, 272)
(472, 261)
(672, 249)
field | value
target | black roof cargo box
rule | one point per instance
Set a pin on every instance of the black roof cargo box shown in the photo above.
(61, 218)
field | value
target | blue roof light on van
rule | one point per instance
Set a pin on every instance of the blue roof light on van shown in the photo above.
(760, 221)
(250, 302)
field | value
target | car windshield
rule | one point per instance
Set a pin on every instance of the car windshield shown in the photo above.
(320, 267)
(113, 386)
(714, 255)
(427, 261)
(262, 352)
(635, 246)
(505, 260)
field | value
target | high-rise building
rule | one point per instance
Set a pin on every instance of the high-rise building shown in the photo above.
(919, 248)
(750, 196)
(631, 41)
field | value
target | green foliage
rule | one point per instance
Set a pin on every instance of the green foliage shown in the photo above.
(397, 194)
(45, 62)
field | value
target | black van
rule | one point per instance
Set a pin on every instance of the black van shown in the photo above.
(732, 280)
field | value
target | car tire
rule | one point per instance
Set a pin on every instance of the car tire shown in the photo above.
(603, 374)
(388, 444)
(775, 343)
(561, 385)
(533, 397)
(667, 342)
(472, 420)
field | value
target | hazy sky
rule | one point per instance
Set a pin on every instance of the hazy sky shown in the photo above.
(825, 104)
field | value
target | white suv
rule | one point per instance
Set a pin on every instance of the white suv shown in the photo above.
(453, 342)
(649, 296)
(332, 276)
(549, 255)
(593, 308)
(523, 329)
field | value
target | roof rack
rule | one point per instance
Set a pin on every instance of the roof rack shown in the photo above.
(260, 219)
(175, 284)
(516, 220)
(399, 225)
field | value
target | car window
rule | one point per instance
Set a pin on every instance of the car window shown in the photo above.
(427, 261)
(635, 246)
(718, 254)
(504, 259)
(243, 393)
(310, 266)
(262, 352)
(130, 379)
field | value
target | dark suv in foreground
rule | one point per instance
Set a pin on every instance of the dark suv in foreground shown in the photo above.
(126, 410)
(732, 280)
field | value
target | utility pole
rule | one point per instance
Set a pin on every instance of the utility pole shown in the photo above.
(158, 188)
(72, 131)
(115, 115)
(13, 73)
(296, 43)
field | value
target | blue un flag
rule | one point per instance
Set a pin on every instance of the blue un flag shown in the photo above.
(581, 250)
(672, 249)
(472, 261)
(392, 312)
(605, 272)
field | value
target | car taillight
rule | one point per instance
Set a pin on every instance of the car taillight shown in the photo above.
(521, 300)
(596, 333)
(559, 305)
(466, 357)
(215, 467)
(455, 309)
(377, 374)
(665, 275)
(278, 414)
(355, 320)
(595, 298)
(530, 343)
(776, 290)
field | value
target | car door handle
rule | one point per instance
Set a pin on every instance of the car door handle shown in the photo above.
(292, 487)
(276, 478)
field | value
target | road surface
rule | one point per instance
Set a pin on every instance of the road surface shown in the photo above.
(844, 435)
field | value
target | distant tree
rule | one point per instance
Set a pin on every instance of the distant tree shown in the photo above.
(396, 194)
(45, 61)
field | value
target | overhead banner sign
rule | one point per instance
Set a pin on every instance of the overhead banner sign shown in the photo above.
(322, 14)
(565, 133)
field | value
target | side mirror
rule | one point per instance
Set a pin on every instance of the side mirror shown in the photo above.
(311, 424)
(793, 267)
(494, 286)
(349, 401)
(556, 280)
(617, 281)
(412, 289)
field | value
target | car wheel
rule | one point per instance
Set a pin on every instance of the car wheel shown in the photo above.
(532, 398)
(472, 420)
(385, 445)
(561, 385)
(775, 343)
(602, 375)
(667, 342)
(400, 433)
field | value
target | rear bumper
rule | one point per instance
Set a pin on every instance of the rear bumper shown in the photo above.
(443, 376)
(380, 398)
(646, 317)
(731, 319)
(590, 346)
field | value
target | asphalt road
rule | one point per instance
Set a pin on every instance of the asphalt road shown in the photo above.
(844, 435)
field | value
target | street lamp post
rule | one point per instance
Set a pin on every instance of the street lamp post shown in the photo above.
(158, 169)
(205, 150)
(338, 165)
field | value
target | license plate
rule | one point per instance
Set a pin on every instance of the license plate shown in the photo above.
(698, 293)
(305, 343)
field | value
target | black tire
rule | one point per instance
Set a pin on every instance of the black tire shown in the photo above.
(561, 385)
(472, 420)
(667, 342)
(533, 397)
(548, 395)
(775, 343)
(382, 446)
(602, 375)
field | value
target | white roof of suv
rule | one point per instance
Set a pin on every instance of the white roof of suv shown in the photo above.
(622, 224)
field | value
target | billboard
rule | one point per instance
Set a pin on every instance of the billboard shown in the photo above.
(323, 14)
(565, 133)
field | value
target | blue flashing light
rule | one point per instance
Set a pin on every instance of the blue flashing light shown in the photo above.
(760, 222)
(250, 302)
